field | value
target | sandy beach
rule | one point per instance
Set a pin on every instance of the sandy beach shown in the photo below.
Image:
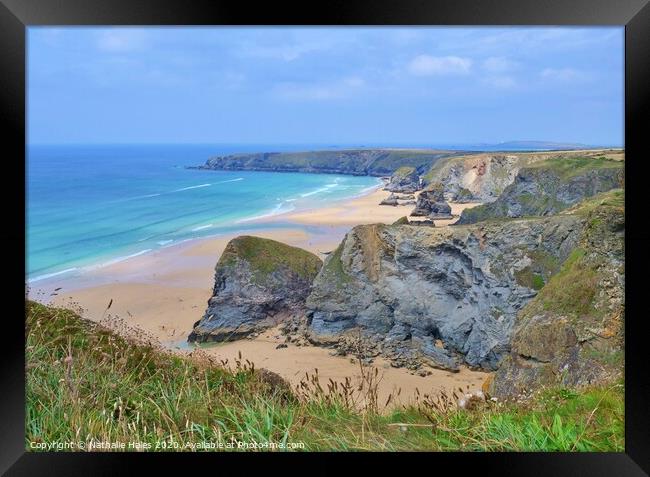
(165, 292)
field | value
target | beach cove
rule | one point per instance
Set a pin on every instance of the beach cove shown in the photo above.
(165, 291)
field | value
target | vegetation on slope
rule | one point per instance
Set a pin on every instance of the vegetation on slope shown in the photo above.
(567, 167)
(333, 268)
(86, 384)
(404, 171)
(374, 162)
(572, 292)
(551, 185)
(572, 331)
(265, 256)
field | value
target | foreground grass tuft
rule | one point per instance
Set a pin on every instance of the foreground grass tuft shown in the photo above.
(86, 384)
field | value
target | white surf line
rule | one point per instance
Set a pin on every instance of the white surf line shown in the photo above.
(50, 275)
(192, 187)
(196, 229)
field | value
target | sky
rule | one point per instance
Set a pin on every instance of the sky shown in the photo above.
(336, 86)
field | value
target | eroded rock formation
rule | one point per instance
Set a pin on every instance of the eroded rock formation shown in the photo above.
(549, 187)
(431, 203)
(572, 332)
(448, 294)
(258, 282)
(405, 180)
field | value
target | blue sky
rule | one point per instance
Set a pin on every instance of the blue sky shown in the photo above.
(400, 86)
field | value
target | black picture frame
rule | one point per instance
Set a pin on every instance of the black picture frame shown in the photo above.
(17, 15)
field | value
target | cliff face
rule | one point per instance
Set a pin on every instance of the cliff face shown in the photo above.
(484, 177)
(371, 162)
(549, 187)
(257, 282)
(448, 295)
(572, 332)
(531, 286)
(478, 177)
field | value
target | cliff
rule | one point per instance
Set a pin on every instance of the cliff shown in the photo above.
(572, 332)
(257, 283)
(446, 295)
(549, 186)
(531, 286)
(538, 299)
(476, 177)
(362, 162)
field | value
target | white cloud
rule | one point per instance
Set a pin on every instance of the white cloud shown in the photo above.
(562, 74)
(319, 92)
(121, 40)
(425, 65)
(498, 64)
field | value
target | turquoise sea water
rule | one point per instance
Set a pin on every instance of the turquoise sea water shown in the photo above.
(92, 205)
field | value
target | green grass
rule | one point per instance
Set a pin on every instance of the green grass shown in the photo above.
(613, 199)
(333, 268)
(395, 159)
(265, 256)
(86, 384)
(571, 291)
(570, 166)
(404, 171)
(526, 277)
(543, 266)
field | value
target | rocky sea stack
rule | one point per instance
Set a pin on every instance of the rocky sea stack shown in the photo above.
(405, 180)
(258, 282)
(431, 203)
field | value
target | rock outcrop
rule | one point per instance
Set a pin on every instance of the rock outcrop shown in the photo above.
(476, 177)
(395, 200)
(405, 180)
(390, 200)
(431, 203)
(446, 294)
(572, 332)
(402, 221)
(258, 282)
(483, 177)
(550, 186)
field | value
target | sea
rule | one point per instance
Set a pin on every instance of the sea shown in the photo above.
(92, 205)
